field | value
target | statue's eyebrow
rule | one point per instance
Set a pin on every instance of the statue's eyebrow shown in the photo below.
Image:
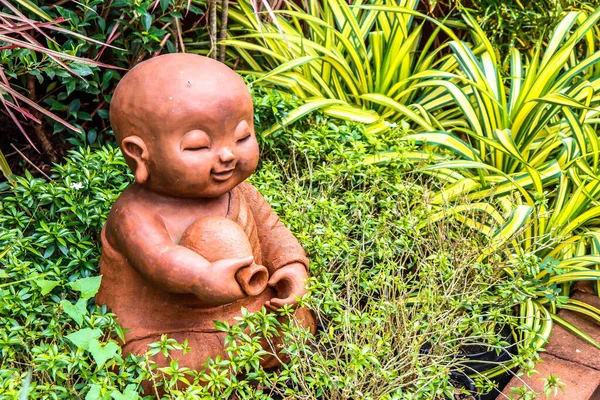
(197, 131)
(242, 127)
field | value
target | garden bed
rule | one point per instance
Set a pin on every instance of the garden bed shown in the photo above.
(444, 186)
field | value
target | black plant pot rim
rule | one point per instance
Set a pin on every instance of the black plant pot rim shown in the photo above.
(509, 337)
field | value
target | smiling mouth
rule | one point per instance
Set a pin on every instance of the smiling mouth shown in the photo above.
(222, 175)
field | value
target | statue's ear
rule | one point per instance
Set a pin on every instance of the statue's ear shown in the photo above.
(135, 148)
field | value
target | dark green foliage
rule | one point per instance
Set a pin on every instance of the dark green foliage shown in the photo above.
(520, 24)
(50, 262)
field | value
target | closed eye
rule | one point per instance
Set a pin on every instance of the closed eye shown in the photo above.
(243, 139)
(196, 148)
(195, 140)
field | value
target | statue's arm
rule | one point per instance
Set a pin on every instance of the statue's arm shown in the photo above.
(278, 245)
(143, 239)
(282, 254)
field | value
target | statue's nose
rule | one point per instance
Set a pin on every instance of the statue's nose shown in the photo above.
(226, 155)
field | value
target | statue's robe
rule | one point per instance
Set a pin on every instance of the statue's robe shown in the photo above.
(147, 311)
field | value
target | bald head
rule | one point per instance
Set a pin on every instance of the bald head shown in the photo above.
(159, 91)
(183, 121)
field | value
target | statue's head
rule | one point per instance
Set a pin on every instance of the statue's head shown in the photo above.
(185, 125)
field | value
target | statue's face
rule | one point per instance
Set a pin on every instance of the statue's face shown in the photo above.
(204, 146)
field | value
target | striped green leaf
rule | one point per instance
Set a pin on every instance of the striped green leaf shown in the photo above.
(301, 111)
(574, 330)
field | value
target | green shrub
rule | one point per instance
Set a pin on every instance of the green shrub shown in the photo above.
(49, 233)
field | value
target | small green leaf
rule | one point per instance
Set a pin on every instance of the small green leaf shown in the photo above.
(102, 353)
(108, 75)
(46, 285)
(91, 136)
(49, 251)
(82, 337)
(81, 69)
(70, 86)
(146, 21)
(94, 393)
(76, 311)
(75, 105)
(222, 326)
(88, 287)
(128, 394)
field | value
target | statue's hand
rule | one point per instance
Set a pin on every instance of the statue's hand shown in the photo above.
(220, 285)
(289, 283)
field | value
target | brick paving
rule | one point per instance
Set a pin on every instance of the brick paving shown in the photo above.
(573, 360)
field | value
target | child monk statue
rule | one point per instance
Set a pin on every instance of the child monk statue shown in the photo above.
(190, 241)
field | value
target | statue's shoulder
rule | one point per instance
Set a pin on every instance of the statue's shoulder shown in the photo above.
(246, 189)
(129, 211)
(131, 203)
(132, 199)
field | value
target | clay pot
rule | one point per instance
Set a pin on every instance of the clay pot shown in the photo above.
(218, 238)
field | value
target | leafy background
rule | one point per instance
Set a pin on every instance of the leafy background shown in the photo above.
(439, 167)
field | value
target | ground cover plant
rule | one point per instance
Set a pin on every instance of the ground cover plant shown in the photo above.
(398, 298)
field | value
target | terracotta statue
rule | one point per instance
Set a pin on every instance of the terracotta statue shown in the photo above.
(190, 241)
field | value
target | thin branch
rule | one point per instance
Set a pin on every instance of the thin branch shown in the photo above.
(39, 128)
(223, 32)
(30, 163)
(212, 4)
(179, 35)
